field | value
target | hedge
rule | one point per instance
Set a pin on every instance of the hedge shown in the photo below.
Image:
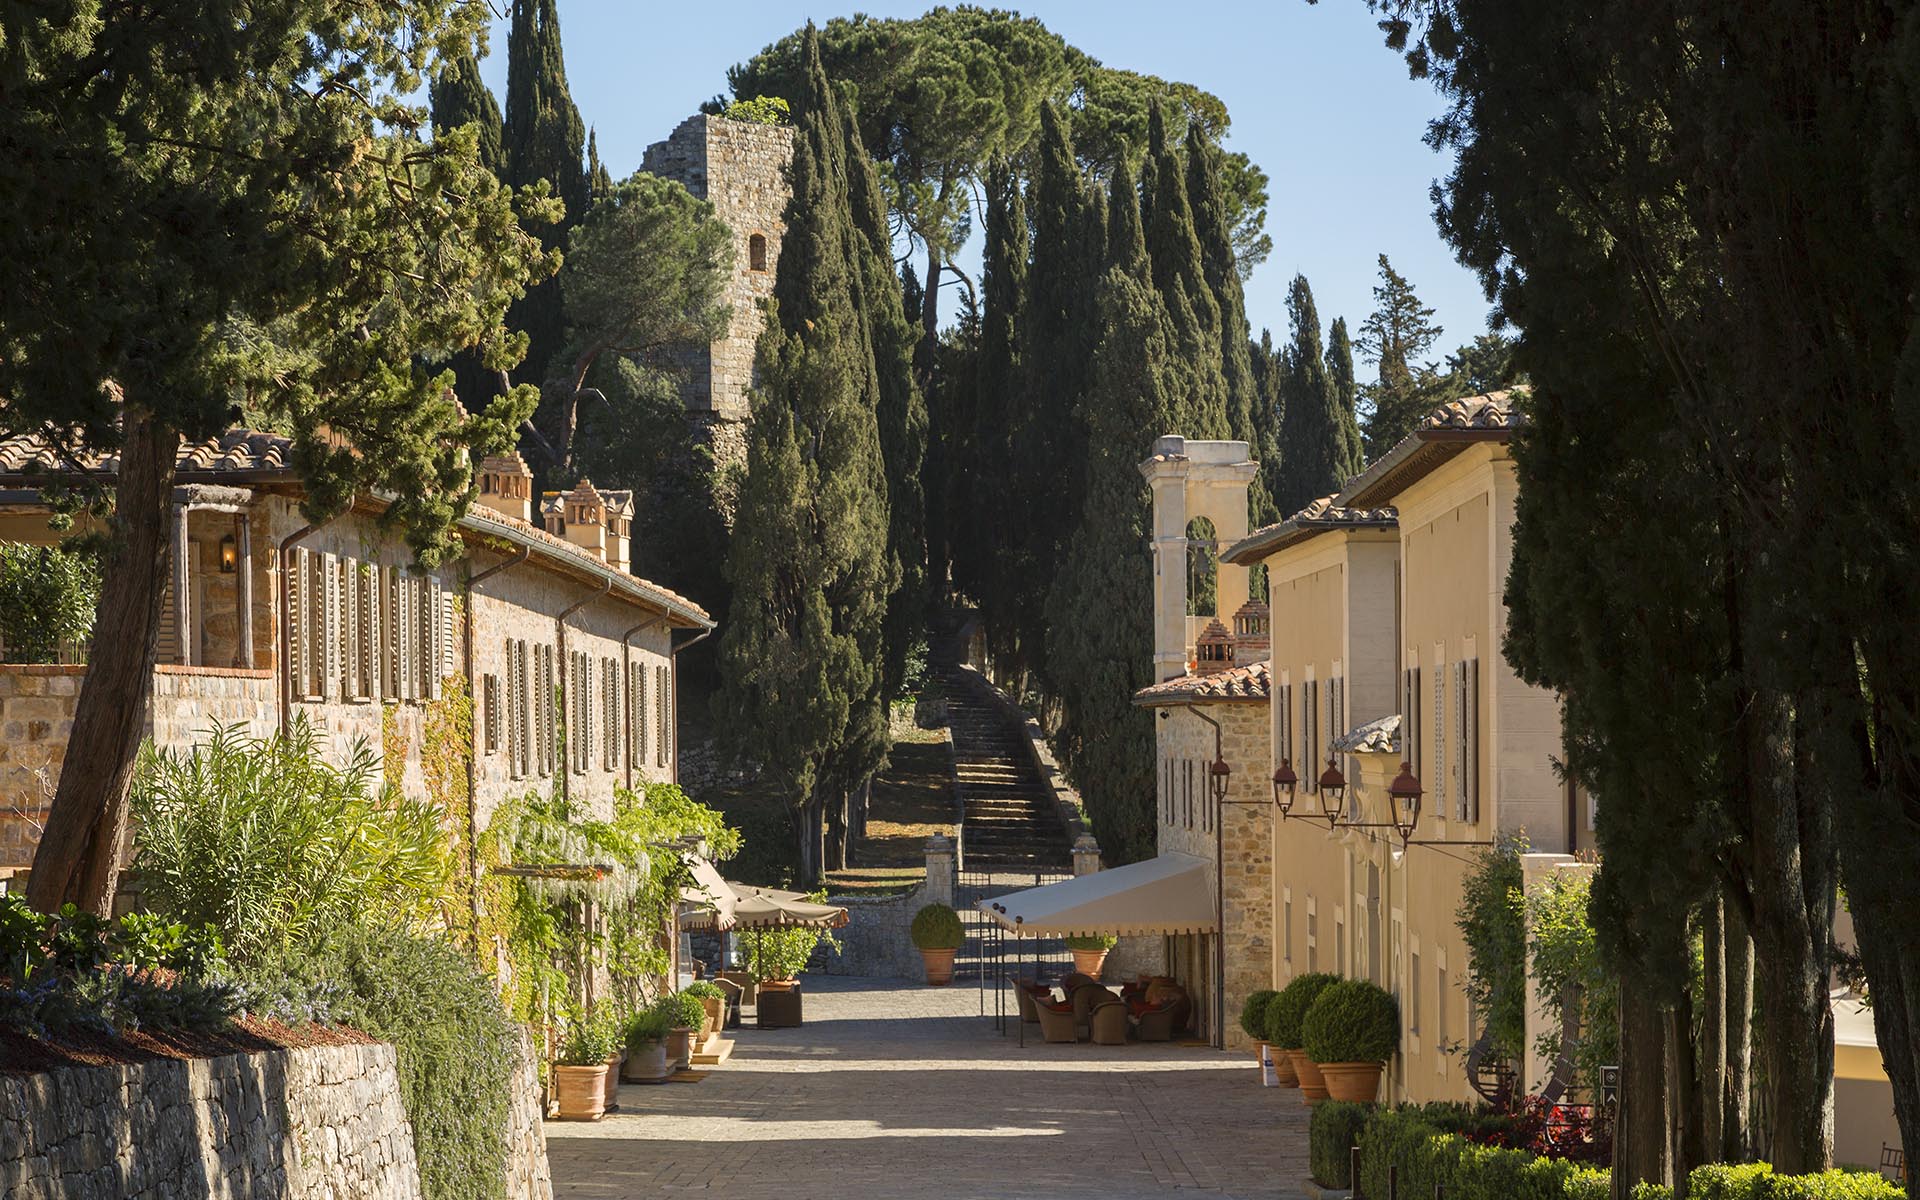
(1331, 1135)
(1756, 1181)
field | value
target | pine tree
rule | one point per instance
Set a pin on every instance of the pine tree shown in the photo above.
(1317, 442)
(1211, 229)
(982, 481)
(544, 140)
(902, 411)
(1393, 338)
(1178, 273)
(460, 97)
(809, 562)
(1100, 648)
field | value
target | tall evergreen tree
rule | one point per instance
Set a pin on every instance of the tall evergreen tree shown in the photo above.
(460, 97)
(983, 478)
(1047, 445)
(1100, 649)
(1267, 418)
(1340, 378)
(902, 411)
(599, 182)
(1180, 275)
(1318, 444)
(809, 562)
(544, 140)
(1393, 338)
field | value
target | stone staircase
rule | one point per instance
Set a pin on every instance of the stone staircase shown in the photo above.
(1010, 820)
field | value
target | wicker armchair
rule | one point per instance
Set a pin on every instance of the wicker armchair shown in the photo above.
(1056, 1022)
(1085, 997)
(733, 993)
(1154, 1024)
(1074, 980)
(1107, 1023)
(1027, 996)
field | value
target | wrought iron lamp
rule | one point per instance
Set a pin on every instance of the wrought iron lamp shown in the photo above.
(1333, 786)
(1284, 784)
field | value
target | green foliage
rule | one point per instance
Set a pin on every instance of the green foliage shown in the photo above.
(682, 1010)
(544, 141)
(649, 1024)
(1201, 405)
(460, 97)
(455, 1045)
(1565, 958)
(937, 927)
(1091, 941)
(1756, 1181)
(1332, 1132)
(704, 989)
(48, 595)
(587, 1040)
(1468, 1171)
(1355, 1020)
(1286, 1014)
(1492, 921)
(1253, 1013)
(760, 110)
(1319, 441)
(783, 952)
(1393, 338)
(266, 842)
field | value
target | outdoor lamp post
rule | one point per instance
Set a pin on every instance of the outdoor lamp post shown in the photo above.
(1333, 785)
(1404, 795)
(1284, 783)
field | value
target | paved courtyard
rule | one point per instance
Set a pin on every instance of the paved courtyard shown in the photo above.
(898, 1090)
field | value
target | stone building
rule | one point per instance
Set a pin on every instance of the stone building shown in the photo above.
(568, 659)
(740, 168)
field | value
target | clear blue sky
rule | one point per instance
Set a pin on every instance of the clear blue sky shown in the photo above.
(1316, 99)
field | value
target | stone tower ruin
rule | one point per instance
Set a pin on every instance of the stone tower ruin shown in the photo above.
(741, 169)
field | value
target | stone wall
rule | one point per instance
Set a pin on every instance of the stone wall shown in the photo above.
(323, 1122)
(876, 943)
(528, 1177)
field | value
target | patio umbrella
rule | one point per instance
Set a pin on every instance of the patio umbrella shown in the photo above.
(768, 908)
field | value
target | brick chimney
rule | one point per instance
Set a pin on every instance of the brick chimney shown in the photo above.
(619, 529)
(506, 486)
(1252, 634)
(585, 522)
(1213, 649)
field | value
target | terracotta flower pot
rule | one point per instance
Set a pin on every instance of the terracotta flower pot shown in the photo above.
(716, 1007)
(1352, 1080)
(1284, 1074)
(614, 1066)
(1089, 962)
(777, 985)
(648, 1064)
(1313, 1086)
(680, 1047)
(939, 964)
(581, 1092)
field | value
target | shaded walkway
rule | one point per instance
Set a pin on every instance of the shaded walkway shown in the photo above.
(897, 1090)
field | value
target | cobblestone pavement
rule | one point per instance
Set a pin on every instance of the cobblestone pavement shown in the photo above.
(898, 1090)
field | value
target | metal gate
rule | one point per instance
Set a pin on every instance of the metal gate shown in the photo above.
(991, 956)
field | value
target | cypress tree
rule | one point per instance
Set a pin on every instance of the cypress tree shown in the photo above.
(1047, 443)
(808, 561)
(1318, 444)
(544, 140)
(1178, 272)
(902, 411)
(1340, 377)
(1265, 361)
(599, 182)
(1100, 648)
(1212, 230)
(460, 97)
(982, 480)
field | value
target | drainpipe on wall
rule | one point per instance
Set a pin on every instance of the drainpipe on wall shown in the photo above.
(473, 750)
(563, 769)
(673, 680)
(626, 665)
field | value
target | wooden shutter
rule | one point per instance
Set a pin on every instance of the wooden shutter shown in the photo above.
(1471, 714)
(330, 631)
(294, 580)
(660, 716)
(1442, 782)
(1460, 739)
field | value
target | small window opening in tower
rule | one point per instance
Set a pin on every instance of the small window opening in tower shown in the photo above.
(1203, 555)
(757, 252)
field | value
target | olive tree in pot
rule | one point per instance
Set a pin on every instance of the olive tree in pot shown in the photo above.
(581, 1064)
(1350, 1030)
(937, 934)
(684, 1014)
(1253, 1022)
(646, 1048)
(1284, 1015)
(1090, 952)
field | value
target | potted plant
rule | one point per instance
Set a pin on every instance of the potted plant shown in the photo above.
(776, 956)
(937, 934)
(1284, 1015)
(608, 1026)
(1090, 952)
(580, 1070)
(683, 1014)
(714, 1001)
(1276, 1069)
(1350, 1030)
(646, 1038)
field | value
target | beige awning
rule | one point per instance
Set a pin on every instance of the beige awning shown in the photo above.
(1168, 894)
(713, 897)
(766, 908)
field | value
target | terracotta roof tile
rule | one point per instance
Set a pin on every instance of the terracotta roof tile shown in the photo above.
(236, 451)
(1315, 518)
(1490, 410)
(1240, 684)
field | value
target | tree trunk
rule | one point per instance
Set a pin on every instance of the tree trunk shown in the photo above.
(1713, 1031)
(1643, 1130)
(803, 843)
(817, 830)
(1683, 1069)
(1737, 1129)
(79, 855)
(836, 832)
(925, 352)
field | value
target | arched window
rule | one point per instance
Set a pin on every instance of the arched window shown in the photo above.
(1203, 557)
(757, 252)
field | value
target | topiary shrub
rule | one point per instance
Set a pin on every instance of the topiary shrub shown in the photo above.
(1331, 1135)
(1253, 1014)
(1756, 1181)
(1285, 1012)
(683, 1010)
(937, 927)
(646, 1026)
(1354, 1020)
(704, 989)
(1092, 941)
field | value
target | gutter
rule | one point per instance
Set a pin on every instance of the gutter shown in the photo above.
(592, 568)
(473, 750)
(563, 769)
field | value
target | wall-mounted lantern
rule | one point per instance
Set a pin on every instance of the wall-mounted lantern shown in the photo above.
(1218, 775)
(1333, 786)
(229, 554)
(1284, 784)
(1404, 793)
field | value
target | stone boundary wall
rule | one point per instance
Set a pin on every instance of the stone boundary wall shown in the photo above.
(322, 1123)
(528, 1177)
(875, 944)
